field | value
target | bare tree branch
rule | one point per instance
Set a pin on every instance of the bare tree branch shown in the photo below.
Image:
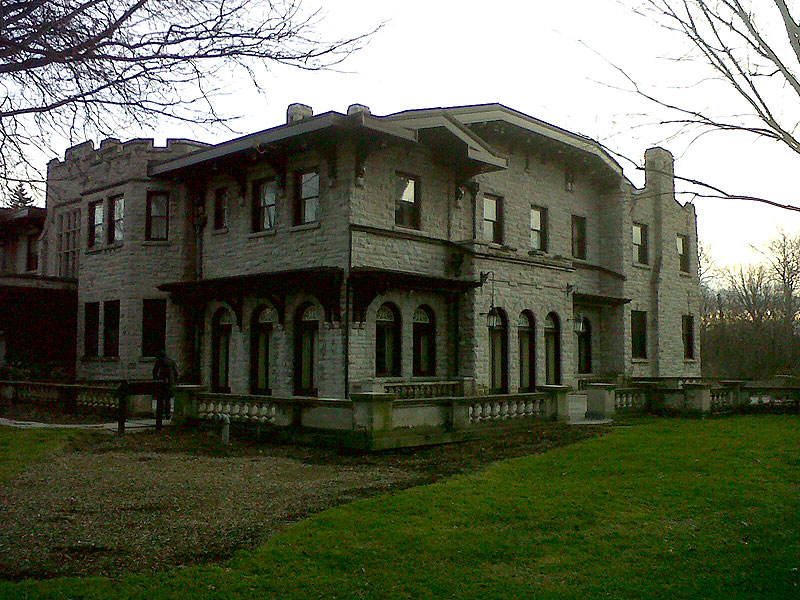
(82, 68)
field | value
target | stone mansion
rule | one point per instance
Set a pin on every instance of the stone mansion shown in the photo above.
(342, 253)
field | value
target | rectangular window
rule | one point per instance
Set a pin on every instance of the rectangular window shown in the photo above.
(95, 224)
(91, 328)
(306, 189)
(265, 192)
(116, 219)
(32, 252)
(111, 328)
(406, 201)
(579, 237)
(683, 252)
(639, 334)
(157, 217)
(69, 226)
(640, 252)
(154, 326)
(538, 228)
(687, 334)
(220, 209)
(493, 219)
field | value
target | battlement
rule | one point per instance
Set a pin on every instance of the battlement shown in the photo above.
(86, 151)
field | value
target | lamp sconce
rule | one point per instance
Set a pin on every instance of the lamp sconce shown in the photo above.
(578, 324)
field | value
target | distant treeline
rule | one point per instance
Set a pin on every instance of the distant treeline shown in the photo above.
(750, 314)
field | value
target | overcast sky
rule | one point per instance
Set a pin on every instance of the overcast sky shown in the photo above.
(553, 61)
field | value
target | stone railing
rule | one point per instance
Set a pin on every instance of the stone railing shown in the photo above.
(253, 409)
(501, 408)
(722, 399)
(425, 389)
(629, 399)
(68, 397)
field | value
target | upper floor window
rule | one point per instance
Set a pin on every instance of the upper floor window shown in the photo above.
(687, 335)
(638, 334)
(95, 224)
(640, 243)
(265, 192)
(116, 219)
(406, 203)
(538, 228)
(220, 209)
(579, 237)
(306, 197)
(493, 219)
(69, 226)
(157, 221)
(683, 252)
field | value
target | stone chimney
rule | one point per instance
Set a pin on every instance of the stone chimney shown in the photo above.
(659, 171)
(355, 109)
(298, 112)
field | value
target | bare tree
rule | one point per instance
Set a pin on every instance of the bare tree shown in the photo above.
(81, 68)
(751, 49)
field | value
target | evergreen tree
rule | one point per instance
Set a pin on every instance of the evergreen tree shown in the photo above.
(18, 198)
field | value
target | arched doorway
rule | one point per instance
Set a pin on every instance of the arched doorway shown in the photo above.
(552, 349)
(387, 341)
(527, 355)
(424, 343)
(498, 351)
(584, 332)
(306, 352)
(261, 325)
(221, 326)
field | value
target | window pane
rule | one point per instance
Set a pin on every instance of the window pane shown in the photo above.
(309, 185)
(536, 219)
(637, 234)
(489, 208)
(310, 209)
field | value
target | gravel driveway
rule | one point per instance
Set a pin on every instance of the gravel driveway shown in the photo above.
(155, 502)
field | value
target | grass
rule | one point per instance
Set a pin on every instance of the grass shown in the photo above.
(667, 509)
(20, 447)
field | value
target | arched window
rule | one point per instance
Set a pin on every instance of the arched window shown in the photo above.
(584, 330)
(260, 333)
(221, 325)
(552, 349)
(527, 354)
(424, 325)
(306, 340)
(387, 341)
(498, 350)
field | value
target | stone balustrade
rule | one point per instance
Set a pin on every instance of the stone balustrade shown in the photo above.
(629, 399)
(425, 389)
(489, 409)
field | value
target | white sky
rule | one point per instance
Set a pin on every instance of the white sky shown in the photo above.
(544, 59)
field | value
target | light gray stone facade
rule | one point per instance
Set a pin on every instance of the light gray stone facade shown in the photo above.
(303, 293)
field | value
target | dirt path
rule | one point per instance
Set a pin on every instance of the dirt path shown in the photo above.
(157, 501)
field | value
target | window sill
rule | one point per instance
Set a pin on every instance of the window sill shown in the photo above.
(100, 359)
(644, 266)
(261, 234)
(147, 359)
(219, 231)
(685, 274)
(156, 243)
(537, 252)
(407, 228)
(501, 247)
(640, 361)
(304, 226)
(101, 248)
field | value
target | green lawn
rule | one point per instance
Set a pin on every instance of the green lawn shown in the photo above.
(19, 447)
(667, 509)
